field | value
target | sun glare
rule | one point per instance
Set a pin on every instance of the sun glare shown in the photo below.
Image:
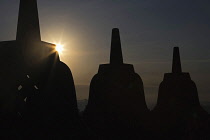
(59, 48)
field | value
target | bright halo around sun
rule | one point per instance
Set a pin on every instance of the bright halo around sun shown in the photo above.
(59, 48)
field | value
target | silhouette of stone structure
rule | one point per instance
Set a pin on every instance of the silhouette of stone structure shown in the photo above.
(116, 105)
(38, 99)
(37, 90)
(178, 104)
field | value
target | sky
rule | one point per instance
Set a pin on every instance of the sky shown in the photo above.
(149, 30)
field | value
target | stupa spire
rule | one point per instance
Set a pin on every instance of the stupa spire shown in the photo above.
(116, 51)
(176, 66)
(28, 21)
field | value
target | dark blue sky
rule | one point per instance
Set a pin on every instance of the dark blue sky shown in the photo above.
(149, 31)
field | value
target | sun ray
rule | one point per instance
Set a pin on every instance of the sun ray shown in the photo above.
(59, 48)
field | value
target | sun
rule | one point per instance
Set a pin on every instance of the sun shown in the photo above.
(59, 48)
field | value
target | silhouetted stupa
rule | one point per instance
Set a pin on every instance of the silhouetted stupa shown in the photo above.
(47, 100)
(178, 105)
(116, 99)
(177, 89)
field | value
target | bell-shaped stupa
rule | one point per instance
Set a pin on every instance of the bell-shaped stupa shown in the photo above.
(116, 98)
